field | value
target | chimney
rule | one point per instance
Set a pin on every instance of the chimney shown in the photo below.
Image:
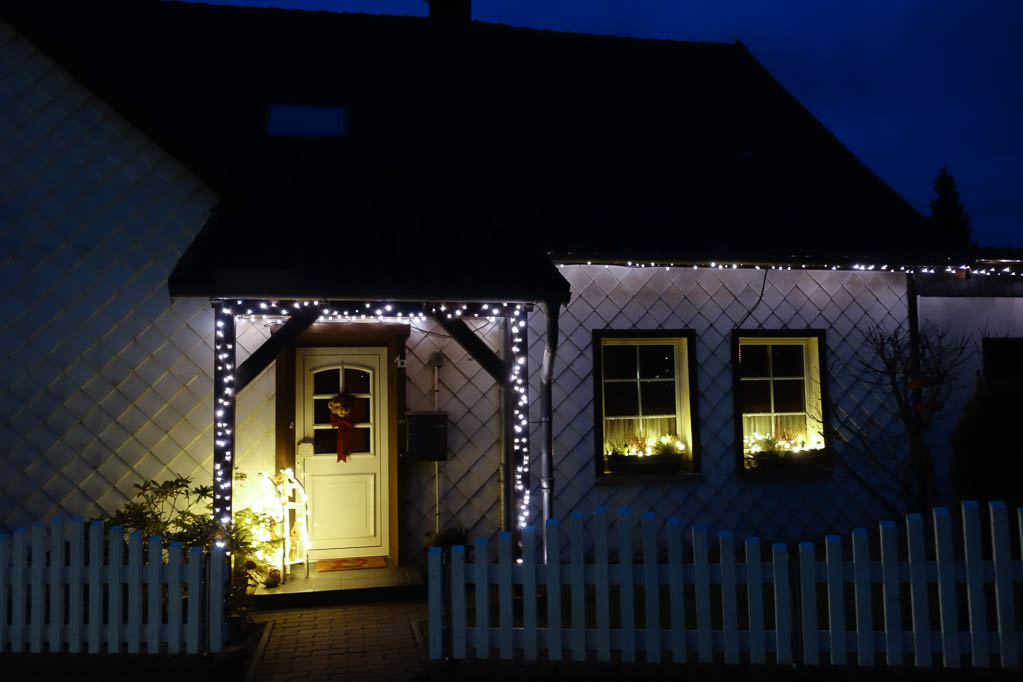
(451, 12)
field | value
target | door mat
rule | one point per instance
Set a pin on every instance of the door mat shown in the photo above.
(324, 565)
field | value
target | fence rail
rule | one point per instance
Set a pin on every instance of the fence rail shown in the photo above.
(61, 590)
(804, 609)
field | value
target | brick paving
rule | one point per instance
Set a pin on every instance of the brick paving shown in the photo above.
(364, 642)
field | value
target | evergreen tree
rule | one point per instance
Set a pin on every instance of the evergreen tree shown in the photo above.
(951, 224)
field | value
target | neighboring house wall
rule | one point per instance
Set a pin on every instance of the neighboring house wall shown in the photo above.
(975, 317)
(104, 381)
(712, 302)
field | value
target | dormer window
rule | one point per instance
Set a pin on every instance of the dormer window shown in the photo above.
(306, 121)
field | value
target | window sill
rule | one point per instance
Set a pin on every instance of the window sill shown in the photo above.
(647, 479)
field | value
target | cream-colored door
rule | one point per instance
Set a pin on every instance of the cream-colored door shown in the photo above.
(348, 505)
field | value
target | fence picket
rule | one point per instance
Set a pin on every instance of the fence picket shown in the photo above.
(782, 605)
(504, 594)
(918, 591)
(529, 595)
(115, 596)
(626, 585)
(95, 587)
(1004, 600)
(577, 586)
(864, 611)
(729, 599)
(677, 594)
(701, 578)
(457, 601)
(755, 600)
(482, 641)
(193, 583)
(652, 589)
(601, 588)
(174, 623)
(37, 580)
(553, 576)
(18, 615)
(56, 630)
(836, 598)
(946, 588)
(76, 580)
(892, 597)
(215, 598)
(5, 558)
(154, 595)
(133, 576)
(808, 603)
(979, 636)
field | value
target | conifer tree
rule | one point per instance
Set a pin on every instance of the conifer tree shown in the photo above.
(951, 224)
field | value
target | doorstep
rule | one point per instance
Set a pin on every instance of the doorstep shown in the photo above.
(341, 587)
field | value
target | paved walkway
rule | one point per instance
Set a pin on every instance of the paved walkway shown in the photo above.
(363, 642)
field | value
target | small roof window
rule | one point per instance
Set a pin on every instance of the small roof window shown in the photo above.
(306, 121)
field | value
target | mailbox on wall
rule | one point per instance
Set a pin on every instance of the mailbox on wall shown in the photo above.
(427, 436)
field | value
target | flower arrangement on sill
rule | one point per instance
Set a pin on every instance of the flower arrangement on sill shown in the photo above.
(767, 451)
(649, 455)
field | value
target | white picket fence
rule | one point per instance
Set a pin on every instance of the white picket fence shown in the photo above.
(506, 597)
(58, 593)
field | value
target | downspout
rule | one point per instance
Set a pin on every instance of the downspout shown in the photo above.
(551, 309)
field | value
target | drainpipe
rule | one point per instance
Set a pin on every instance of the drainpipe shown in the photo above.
(551, 309)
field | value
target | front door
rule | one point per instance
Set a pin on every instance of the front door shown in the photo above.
(348, 505)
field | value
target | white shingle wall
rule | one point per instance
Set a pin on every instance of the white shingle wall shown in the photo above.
(712, 303)
(103, 381)
(469, 490)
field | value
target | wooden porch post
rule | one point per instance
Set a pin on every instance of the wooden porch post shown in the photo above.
(551, 310)
(223, 412)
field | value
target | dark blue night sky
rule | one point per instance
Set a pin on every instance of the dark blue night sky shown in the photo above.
(909, 86)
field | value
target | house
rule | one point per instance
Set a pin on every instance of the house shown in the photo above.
(620, 267)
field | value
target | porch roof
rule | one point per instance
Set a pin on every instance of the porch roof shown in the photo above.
(402, 248)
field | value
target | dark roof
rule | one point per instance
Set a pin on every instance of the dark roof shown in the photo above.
(585, 145)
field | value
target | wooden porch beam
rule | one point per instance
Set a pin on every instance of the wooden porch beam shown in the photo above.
(272, 347)
(467, 339)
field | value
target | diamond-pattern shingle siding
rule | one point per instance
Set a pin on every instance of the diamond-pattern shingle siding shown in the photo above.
(101, 376)
(712, 303)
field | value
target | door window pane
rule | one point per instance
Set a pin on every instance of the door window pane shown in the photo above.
(321, 413)
(358, 440)
(356, 381)
(619, 362)
(324, 441)
(360, 410)
(327, 382)
(656, 362)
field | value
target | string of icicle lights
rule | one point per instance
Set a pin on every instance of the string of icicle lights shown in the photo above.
(277, 312)
(1009, 268)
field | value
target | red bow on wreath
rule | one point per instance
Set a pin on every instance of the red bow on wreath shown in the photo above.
(344, 428)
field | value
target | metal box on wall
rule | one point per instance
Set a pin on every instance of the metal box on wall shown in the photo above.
(427, 436)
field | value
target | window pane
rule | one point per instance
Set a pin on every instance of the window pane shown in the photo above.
(620, 433)
(752, 360)
(619, 362)
(321, 413)
(658, 397)
(360, 410)
(754, 396)
(788, 395)
(327, 381)
(358, 440)
(791, 428)
(621, 400)
(325, 441)
(755, 430)
(787, 361)
(356, 381)
(656, 362)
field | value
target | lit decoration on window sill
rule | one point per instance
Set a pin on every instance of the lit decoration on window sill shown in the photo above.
(651, 455)
(766, 451)
(652, 445)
